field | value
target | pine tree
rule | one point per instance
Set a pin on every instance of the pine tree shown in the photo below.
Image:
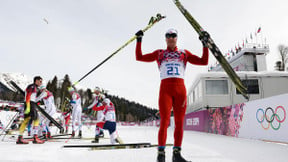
(88, 97)
(53, 87)
(48, 86)
(64, 90)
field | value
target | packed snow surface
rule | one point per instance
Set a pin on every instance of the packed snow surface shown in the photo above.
(197, 147)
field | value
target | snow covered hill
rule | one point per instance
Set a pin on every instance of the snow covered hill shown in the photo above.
(20, 79)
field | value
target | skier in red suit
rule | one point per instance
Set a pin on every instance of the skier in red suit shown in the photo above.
(172, 63)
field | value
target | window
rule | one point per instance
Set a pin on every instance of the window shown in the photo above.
(200, 93)
(196, 93)
(252, 86)
(190, 99)
(216, 87)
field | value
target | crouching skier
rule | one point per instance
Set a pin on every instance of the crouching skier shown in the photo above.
(109, 122)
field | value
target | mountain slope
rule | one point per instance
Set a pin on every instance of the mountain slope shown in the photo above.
(19, 78)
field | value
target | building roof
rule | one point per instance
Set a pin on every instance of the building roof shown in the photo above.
(241, 74)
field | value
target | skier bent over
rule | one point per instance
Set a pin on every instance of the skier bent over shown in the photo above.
(110, 121)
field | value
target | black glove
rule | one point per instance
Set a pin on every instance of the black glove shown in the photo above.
(139, 35)
(204, 38)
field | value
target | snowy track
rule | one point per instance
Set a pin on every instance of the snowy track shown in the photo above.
(198, 147)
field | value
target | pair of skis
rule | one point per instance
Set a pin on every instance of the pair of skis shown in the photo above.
(56, 136)
(115, 146)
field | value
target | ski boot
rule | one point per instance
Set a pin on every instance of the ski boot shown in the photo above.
(73, 133)
(29, 133)
(66, 131)
(161, 155)
(119, 140)
(80, 134)
(49, 135)
(101, 134)
(96, 140)
(37, 140)
(9, 132)
(21, 140)
(177, 155)
(44, 135)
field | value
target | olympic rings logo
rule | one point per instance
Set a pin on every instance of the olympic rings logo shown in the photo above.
(271, 116)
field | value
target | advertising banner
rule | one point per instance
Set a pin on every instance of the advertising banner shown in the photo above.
(263, 119)
(266, 119)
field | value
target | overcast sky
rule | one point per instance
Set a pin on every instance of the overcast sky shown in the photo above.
(58, 37)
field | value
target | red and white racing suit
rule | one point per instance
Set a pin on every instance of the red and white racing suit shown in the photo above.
(110, 121)
(50, 108)
(76, 111)
(172, 64)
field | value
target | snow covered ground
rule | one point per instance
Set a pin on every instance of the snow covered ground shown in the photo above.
(198, 147)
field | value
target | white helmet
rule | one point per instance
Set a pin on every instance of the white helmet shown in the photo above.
(106, 101)
(101, 96)
(171, 31)
(97, 89)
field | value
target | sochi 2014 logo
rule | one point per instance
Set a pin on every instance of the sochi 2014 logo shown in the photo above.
(270, 118)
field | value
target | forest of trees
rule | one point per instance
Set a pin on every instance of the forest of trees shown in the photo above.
(125, 110)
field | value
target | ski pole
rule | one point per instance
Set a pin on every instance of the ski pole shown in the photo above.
(215, 51)
(152, 21)
(13, 118)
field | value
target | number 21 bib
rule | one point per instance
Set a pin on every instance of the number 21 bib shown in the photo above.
(171, 64)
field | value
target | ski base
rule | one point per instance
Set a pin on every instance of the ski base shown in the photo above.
(128, 146)
(67, 138)
(115, 146)
(60, 135)
(57, 136)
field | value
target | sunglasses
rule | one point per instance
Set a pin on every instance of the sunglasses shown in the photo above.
(172, 35)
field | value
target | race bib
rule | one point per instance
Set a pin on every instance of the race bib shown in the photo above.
(110, 116)
(172, 69)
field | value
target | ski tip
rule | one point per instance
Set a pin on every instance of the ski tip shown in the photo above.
(74, 83)
(159, 16)
(246, 97)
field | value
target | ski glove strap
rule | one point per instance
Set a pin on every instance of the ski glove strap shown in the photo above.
(72, 102)
(204, 38)
(139, 35)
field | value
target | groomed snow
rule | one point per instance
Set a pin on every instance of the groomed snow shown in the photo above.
(198, 147)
